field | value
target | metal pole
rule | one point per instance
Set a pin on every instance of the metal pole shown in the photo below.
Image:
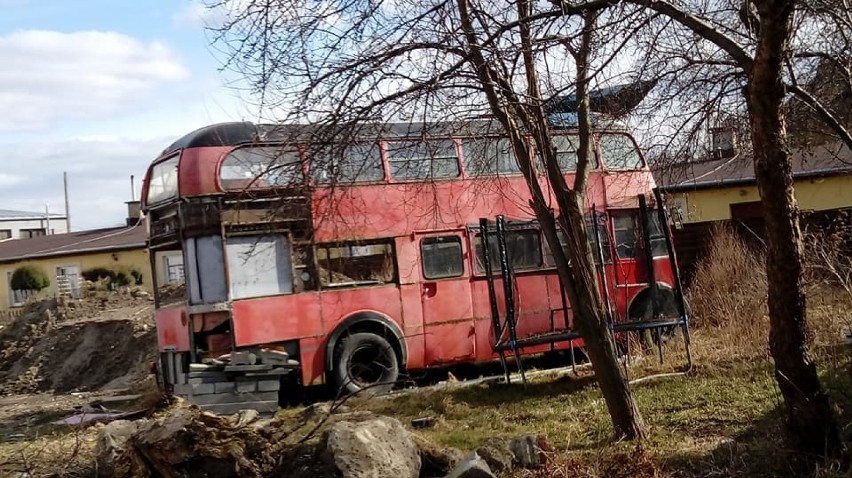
(67, 207)
(46, 219)
(492, 294)
(681, 304)
(509, 292)
(600, 257)
(132, 188)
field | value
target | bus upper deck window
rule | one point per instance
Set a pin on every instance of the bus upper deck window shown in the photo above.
(163, 183)
(432, 159)
(489, 156)
(261, 167)
(354, 163)
(619, 152)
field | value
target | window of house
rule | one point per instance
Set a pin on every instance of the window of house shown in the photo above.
(489, 156)
(173, 269)
(351, 164)
(522, 246)
(433, 159)
(619, 152)
(355, 264)
(5, 234)
(30, 233)
(442, 257)
(261, 167)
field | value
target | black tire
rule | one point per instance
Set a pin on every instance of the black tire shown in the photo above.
(367, 362)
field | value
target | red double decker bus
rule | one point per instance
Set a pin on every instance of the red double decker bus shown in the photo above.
(350, 263)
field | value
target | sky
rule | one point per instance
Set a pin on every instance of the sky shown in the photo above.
(97, 88)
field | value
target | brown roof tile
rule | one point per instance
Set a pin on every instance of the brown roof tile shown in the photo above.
(823, 160)
(95, 240)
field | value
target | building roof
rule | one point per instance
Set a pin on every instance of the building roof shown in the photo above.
(9, 214)
(96, 240)
(814, 161)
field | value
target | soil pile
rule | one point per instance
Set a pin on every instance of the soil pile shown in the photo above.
(104, 340)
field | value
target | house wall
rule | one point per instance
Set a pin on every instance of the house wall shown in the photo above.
(57, 225)
(714, 204)
(135, 258)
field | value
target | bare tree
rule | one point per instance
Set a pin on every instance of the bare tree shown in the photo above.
(341, 64)
(766, 46)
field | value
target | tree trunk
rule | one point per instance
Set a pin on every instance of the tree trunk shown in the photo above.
(810, 423)
(581, 285)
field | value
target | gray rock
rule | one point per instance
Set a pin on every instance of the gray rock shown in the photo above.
(376, 448)
(436, 461)
(471, 467)
(498, 455)
(529, 450)
(111, 446)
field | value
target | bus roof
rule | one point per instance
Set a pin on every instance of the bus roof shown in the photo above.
(235, 133)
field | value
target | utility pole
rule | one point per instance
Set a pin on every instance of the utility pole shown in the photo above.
(67, 208)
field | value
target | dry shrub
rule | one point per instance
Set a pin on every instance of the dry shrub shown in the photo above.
(729, 283)
(605, 464)
(828, 276)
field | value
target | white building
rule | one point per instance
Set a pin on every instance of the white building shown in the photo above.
(23, 224)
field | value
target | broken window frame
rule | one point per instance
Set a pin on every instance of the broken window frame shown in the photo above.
(354, 250)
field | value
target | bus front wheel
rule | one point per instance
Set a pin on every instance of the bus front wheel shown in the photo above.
(365, 362)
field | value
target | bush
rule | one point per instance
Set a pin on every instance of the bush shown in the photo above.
(119, 277)
(730, 282)
(29, 278)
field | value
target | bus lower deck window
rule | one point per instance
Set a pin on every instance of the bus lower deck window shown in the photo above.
(442, 257)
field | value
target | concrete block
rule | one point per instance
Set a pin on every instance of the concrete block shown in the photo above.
(225, 387)
(246, 386)
(272, 385)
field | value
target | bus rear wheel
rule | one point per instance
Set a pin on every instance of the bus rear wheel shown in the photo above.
(365, 362)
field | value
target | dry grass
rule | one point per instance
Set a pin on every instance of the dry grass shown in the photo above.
(722, 420)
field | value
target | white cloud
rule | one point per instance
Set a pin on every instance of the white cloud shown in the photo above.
(9, 180)
(197, 14)
(49, 76)
(98, 169)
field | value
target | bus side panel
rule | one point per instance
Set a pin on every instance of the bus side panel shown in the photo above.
(533, 305)
(482, 312)
(172, 329)
(413, 331)
(312, 350)
(337, 305)
(275, 319)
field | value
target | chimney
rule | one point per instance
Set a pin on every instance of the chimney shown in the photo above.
(134, 207)
(724, 142)
(134, 212)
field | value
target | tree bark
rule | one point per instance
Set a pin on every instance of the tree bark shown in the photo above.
(578, 276)
(810, 423)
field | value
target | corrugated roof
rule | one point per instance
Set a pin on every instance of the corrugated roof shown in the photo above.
(824, 160)
(12, 214)
(96, 240)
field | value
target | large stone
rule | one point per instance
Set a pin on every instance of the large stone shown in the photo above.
(529, 451)
(376, 448)
(436, 461)
(471, 467)
(112, 446)
(498, 455)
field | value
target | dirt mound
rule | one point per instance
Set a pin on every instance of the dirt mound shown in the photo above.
(104, 340)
